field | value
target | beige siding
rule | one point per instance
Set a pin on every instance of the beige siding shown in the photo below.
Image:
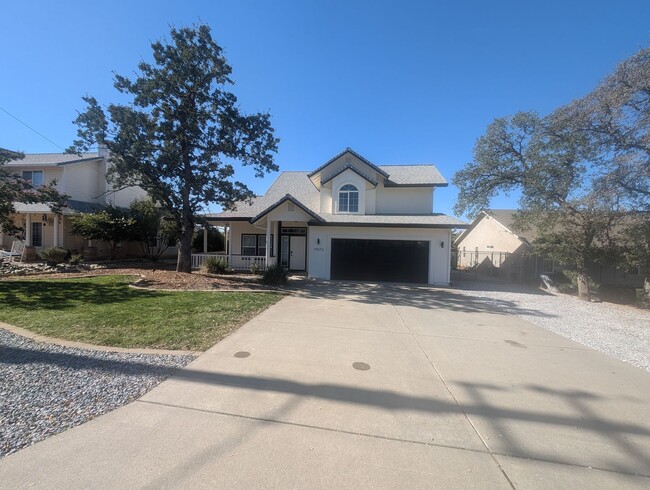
(49, 174)
(82, 181)
(404, 200)
(240, 228)
(124, 197)
(488, 234)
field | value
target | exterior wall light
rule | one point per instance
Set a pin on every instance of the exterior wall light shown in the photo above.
(442, 244)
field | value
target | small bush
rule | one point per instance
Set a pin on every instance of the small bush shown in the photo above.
(256, 269)
(75, 259)
(215, 265)
(54, 255)
(275, 276)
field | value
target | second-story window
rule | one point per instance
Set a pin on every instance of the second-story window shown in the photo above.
(348, 199)
(34, 177)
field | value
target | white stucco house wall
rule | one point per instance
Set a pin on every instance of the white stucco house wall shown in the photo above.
(83, 179)
(347, 219)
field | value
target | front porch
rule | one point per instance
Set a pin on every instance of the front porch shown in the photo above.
(263, 245)
(235, 262)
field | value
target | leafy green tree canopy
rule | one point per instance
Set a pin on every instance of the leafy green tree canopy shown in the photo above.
(616, 117)
(153, 229)
(549, 164)
(111, 225)
(182, 133)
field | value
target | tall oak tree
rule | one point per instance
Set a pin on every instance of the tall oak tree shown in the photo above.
(182, 133)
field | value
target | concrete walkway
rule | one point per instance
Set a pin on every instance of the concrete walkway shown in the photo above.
(360, 386)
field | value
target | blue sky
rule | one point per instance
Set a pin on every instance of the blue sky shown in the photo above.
(400, 82)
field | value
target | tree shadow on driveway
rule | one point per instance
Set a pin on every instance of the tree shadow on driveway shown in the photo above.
(411, 295)
(630, 456)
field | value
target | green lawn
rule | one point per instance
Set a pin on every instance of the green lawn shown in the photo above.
(103, 310)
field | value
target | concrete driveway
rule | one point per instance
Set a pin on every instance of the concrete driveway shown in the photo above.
(355, 386)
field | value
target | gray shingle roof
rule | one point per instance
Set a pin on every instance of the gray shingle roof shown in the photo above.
(52, 159)
(295, 183)
(299, 186)
(413, 175)
(73, 207)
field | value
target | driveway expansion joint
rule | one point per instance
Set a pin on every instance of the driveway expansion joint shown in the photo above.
(389, 438)
(444, 382)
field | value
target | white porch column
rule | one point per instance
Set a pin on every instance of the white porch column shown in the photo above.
(56, 230)
(28, 230)
(62, 237)
(229, 244)
(268, 241)
(205, 238)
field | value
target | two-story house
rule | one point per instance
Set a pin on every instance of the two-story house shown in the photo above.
(83, 179)
(347, 219)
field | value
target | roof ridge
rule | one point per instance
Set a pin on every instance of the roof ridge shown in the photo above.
(407, 165)
(61, 153)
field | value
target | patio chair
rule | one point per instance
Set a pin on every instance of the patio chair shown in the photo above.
(16, 253)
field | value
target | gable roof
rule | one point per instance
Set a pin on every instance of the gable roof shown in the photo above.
(286, 198)
(349, 167)
(353, 153)
(506, 218)
(53, 159)
(300, 189)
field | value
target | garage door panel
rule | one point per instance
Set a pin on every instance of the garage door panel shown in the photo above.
(380, 260)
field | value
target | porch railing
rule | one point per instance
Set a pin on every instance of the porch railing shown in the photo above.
(236, 262)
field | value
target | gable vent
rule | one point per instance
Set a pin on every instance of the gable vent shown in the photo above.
(291, 206)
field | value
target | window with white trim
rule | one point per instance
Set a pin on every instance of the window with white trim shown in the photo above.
(255, 245)
(34, 177)
(348, 199)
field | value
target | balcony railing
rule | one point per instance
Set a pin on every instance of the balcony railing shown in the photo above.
(236, 262)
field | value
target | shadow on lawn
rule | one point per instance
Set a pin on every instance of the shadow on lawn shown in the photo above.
(63, 294)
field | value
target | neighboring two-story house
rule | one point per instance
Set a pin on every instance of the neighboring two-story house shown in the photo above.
(347, 219)
(83, 179)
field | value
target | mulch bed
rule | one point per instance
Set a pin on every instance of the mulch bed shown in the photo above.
(161, 276)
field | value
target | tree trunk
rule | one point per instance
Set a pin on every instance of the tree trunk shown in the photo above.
(583, 286)
(184, 260)
(646, 291)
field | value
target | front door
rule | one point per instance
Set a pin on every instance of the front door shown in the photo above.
(297, 248)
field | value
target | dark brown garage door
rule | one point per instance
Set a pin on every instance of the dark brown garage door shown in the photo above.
(380, 260)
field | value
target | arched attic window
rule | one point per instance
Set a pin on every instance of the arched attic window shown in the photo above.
(348, 199)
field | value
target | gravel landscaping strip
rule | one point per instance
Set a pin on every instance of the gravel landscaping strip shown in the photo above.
(619, 331)
(46, 389)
